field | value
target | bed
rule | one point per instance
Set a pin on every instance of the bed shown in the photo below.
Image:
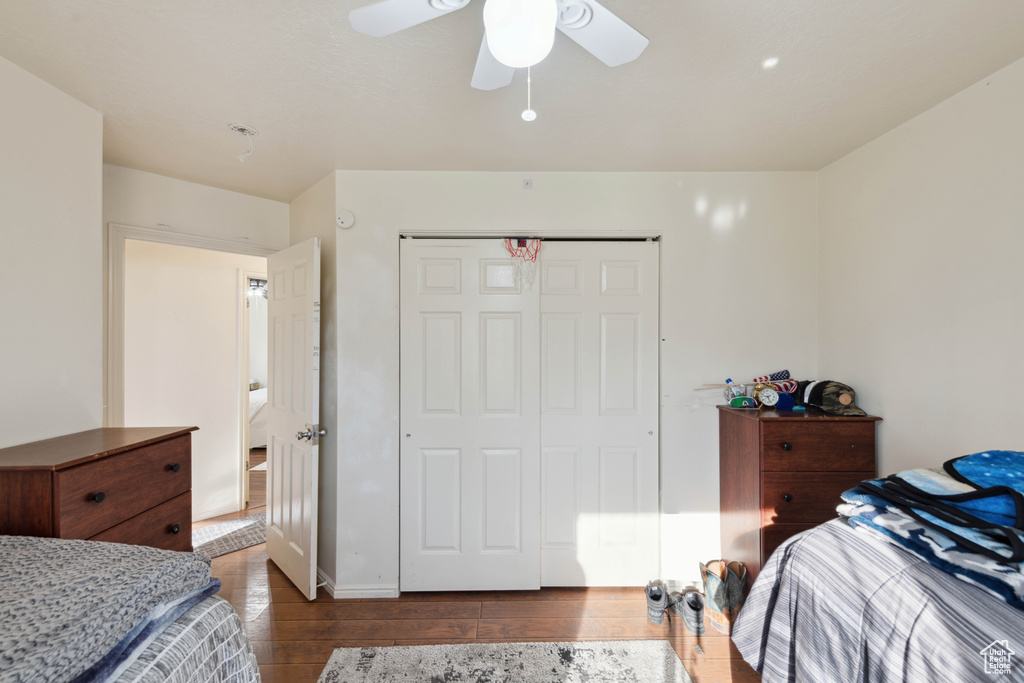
(82, 611)
(258, 418)
(845, 602)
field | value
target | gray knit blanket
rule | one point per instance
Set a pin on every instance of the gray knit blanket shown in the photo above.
(66, 605)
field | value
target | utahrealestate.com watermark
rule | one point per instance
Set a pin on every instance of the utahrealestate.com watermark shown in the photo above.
(997, 656)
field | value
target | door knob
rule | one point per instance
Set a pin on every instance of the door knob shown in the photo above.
(312, 433)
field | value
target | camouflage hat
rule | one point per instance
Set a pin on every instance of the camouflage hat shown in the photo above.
(834, 398)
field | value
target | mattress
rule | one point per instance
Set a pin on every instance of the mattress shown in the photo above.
(83, 611)
(840, 604)
(258, 418)
(207, 644)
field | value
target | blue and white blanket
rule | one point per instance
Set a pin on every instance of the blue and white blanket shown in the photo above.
(957, 523)
(72, 610)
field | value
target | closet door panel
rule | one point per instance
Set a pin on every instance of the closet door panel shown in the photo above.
(470, 440)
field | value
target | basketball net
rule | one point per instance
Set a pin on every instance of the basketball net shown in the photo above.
(524, 258)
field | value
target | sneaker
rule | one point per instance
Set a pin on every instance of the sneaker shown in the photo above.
(690, 606)
(657, 601)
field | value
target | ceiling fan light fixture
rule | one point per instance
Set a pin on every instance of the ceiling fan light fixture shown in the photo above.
(448, 5)
(575, 15)
(520, 33)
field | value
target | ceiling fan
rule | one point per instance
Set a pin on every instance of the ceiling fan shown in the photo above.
(588, 23)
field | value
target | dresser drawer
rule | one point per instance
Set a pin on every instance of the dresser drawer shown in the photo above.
(126, 484)
(832, 446)
(812, 497)
(167, 526)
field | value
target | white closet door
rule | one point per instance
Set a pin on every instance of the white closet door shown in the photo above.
(470, 419)
(599, 413)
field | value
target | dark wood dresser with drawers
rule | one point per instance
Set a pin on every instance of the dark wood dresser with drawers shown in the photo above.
(782, 472)
(124, 485)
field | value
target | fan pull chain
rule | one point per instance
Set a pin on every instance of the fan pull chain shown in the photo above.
(529, 114)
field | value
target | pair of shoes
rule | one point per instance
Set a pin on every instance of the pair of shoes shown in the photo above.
(657, 601)
(690, 606)
(724, 582)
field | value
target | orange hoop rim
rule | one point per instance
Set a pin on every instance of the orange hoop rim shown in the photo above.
(526, 253)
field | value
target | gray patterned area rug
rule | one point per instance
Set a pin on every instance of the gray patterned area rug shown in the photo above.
(227, 537)
(632, 661)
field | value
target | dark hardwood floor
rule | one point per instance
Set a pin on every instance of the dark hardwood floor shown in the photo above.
(257, 479)
(293, 638)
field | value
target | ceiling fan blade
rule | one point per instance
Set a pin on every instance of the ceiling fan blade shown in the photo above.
(390, 16)
(490, 74)
(600, 32)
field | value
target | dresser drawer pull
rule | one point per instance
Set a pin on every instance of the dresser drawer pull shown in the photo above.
(787, 446)
(175, 467)
(788, 498)
(175, 528)
(99, 497)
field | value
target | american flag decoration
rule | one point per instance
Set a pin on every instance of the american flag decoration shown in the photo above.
(786, 386)
(780, 375)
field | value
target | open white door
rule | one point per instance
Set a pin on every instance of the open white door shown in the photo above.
(293, 411)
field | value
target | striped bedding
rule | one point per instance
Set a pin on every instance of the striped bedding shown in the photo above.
(76, 611)
(207, 644)
(837, 603)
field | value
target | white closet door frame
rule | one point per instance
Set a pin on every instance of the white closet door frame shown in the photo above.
(615, 453)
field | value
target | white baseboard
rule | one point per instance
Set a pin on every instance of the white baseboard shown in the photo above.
(325, 581)
(351, 592)
(355, 592)
(199, 516)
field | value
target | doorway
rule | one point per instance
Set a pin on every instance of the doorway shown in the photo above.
(254, 440)
(181, 331)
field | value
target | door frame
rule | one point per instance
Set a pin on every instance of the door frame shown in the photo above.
(117, 234)
(627, 234)
(244, 365)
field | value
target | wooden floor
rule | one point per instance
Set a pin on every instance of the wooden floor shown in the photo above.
(293, 638)
(257, 479)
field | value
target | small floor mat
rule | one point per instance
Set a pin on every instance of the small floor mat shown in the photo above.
(227, 537)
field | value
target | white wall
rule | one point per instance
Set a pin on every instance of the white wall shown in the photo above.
(922, 288)
(147, 200)
(51, 337)
(181, 359)
(312, 215)
(258, 340)
(738, 299)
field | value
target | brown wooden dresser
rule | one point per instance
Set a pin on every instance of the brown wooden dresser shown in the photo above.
(124, 485)
(782, 472)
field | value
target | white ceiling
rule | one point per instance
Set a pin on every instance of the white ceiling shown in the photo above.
(169, 77)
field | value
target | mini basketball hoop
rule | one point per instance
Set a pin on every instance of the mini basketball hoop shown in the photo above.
(524, 257)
